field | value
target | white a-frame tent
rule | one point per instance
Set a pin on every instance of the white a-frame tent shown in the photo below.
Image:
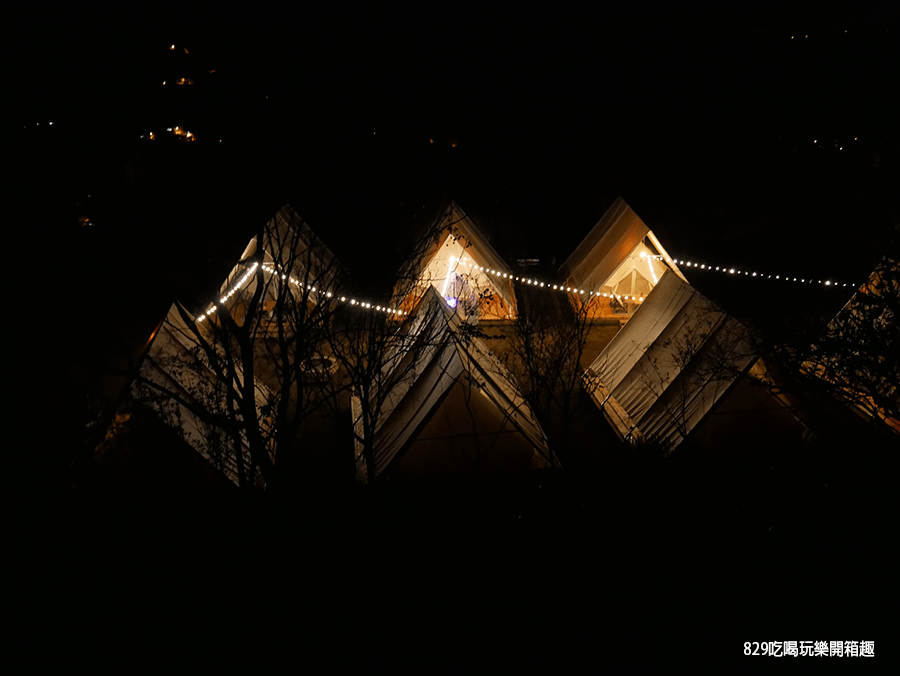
(184, 376)
(291, 251)
(177, 383)
(445, 406)
(676, 354)
(668, 366)
(617, 264)
(465, 270)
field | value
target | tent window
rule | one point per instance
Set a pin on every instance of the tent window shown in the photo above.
(633, 279)
(638, 274)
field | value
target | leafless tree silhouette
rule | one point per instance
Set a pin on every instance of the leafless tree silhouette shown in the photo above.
(236, 378)
(546, 347)
(855, 357)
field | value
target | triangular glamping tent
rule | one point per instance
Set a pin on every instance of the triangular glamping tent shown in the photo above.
(178, 385)
(668, 366)
(290, 250)
(448, 406)
(464, 269)
(676, 354)
(176, 379)
(617, 265)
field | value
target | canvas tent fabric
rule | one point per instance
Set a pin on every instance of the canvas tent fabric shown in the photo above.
(453, 409)
(618, 237)
(175, 364)
(292, 247)
(465, 270)
(675, 354)
(289, 248)
(668, 366)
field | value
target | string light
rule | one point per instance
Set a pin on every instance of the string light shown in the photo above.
(760, 275)
(546, 285)
(634, 298)
(639, 298)
(269, 269)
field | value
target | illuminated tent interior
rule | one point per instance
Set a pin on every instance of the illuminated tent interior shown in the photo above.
(453, 410)
(465, 270)
(617, 265)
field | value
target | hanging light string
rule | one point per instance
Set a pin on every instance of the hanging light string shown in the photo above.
(546, 285)
(638, 298)
(319, 292)
(759, 275)
(517, 279)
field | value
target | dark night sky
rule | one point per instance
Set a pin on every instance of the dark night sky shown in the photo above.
(704, 119)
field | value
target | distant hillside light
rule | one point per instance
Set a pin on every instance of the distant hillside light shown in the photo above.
(171, 48)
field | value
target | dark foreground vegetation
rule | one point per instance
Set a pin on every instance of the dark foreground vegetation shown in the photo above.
(646, 562)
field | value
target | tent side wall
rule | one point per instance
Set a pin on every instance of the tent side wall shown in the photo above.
(668, 366)
(419, 398)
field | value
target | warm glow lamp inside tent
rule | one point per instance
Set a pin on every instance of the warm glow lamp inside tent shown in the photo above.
(465, 271)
